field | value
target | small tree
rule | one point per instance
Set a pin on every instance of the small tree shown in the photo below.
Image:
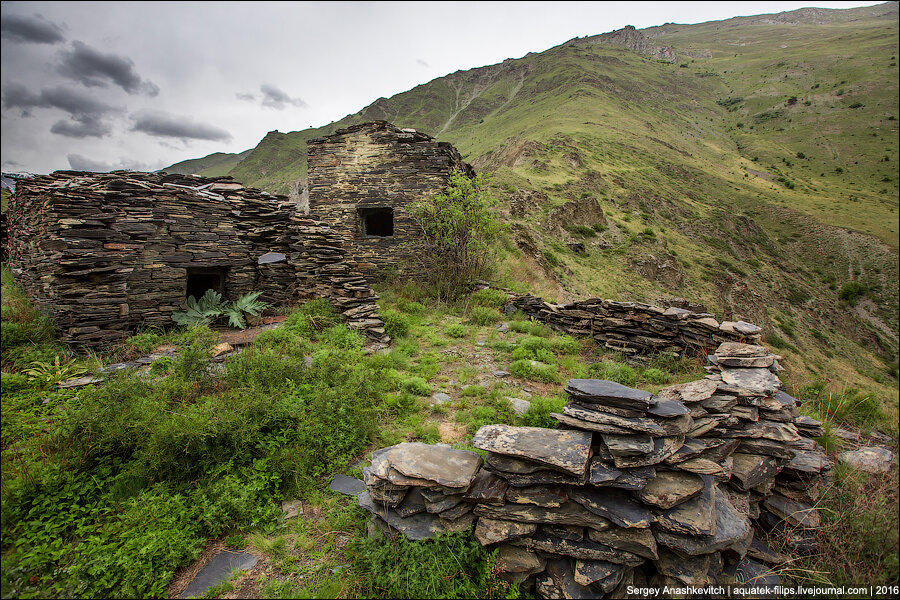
(457, 228)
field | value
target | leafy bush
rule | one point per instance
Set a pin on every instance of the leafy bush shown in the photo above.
(339, 336)
(396, 325)
(458, 227)
(654, 375)
(410, 306)
(582, 230)
(212, 307)
(613, 371)
(417, 386)
(311, 318)
(535, 371)
(51, 373)
(482, 315)
(450, 566)
(489, 297)
(851, 292)
(538, 414)
(457, 330)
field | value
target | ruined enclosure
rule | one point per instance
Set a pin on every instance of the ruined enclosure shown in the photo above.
(104, 254)
(363, 178)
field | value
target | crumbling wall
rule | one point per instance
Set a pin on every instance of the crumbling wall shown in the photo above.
(636, 328)
(377, 166)
(631, 489)
(106, 253)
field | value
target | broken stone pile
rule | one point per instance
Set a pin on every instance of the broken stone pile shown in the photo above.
(636, 328)
(631, 488)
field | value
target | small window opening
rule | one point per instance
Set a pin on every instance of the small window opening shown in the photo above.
(201, 279)
(377, 221)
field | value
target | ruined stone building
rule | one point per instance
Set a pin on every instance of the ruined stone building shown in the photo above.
(362, 178)
(106, 253)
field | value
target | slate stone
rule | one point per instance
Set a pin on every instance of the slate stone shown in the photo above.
(634, 479)
(543, 477)
(766, 447)
(573, 423)
(487, 488)
(615, 505)
(444, 504)
(732, 531)
(457, 511)
(691, 448)
(570, 513)
(458, 523)
(795, 514)
(493, 531)
(694, 517)
(676, 425)
(547, 497)
(753, 575)
(796, 540)
(719, 450)
(602, 473)
(558, 581)
(270, 258)
(702, 426)
(746, 328)
(750, 470)
(513, 559)
(760, 552)
(420, 526)
(612, 410)
(637, 541)
(762, 361)
(689, 393)
(443, 465)
(440, 398)
(747, 413)
(628, 445)
(566, 532)
(350, 486)
(643, 425)
(740, 350)
(668, 408)
(584, 550)
(757, 381)
(412, 504)
(589, 572)
(567, 451)
(663, 448)
(690, 570)
(770, 430)
(701, 466)
(388, 496)
(218, 570)
(872, 459)
(508, 464)
(598, 391)
(720, 403)
(519, 406)
(806, 463)
(670, 488)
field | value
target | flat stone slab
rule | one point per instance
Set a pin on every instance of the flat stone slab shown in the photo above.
(795, 514)
(639, 424)
(612, 504)
(589, 572)
(487, 488)
(601, 391)
(421, 526)
(663, 448)
(493, 531)
(413, 504)
(584, 550)
(628, 445)
(548, 497)
(558, 581)
(513, 559)
(771, 430)
(518, 405)
(441, 464)
(671, 488)
(694, 391)
(756, 380)
(750, 470)
(694, 517)
(565, 450)
(347, 485)
(439, 399)
(636, 541)
(732, 531)
(739, 350)
(753, 575)
(872, 459)
(218, 570)
(573, 423)
(690, 570)
(667, 408)
(570, 513)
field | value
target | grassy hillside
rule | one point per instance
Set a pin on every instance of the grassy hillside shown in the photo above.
(756, 174)
(213, 165)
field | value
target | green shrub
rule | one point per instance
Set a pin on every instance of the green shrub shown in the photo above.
(410, 307)
(396, 324)
(417, 386)
(10, 383)
(613, 371)
(535, 371)
(311, 318)
(340, 336)
(457, 330)
(482, 315)
(654, 375)
(538, 414)
(283, 341)
(551, 258)
(490, 297)
(852, 291)
(450, 566)
(582, 230)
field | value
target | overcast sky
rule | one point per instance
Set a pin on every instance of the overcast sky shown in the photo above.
(137, 85)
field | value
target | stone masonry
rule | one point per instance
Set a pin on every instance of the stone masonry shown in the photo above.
(361, 179)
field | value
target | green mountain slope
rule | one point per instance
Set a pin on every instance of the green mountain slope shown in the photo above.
(213, 165)
(747, 164)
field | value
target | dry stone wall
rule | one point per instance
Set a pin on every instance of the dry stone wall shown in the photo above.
(377, 167)
(674, 489)
(106, 253)
(636, 328)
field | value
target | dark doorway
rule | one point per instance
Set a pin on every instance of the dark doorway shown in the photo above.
(377, 221)
(201, 279)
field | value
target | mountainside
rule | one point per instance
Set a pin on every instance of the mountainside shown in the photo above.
(213, 165)
(749, 165)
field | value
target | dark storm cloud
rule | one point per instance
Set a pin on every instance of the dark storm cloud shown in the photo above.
(93, 68)
(272, 97)
(77, 162)
(86, 114)
(160, 124)
(36, 30)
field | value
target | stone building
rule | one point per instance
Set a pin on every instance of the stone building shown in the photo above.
(362, 178)
(104, 254)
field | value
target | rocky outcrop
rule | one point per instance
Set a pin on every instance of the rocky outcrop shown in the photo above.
(631, 488)
(632, 39)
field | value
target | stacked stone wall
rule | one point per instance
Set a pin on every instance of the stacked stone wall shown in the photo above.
(636, 328)
(675, 489)
(104, 254)
(377, 165)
